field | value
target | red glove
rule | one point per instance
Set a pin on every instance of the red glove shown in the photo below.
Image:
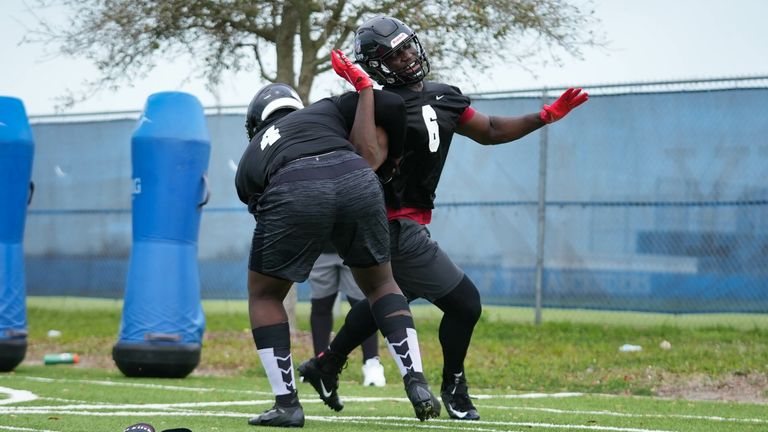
(349, 71)
(563, 105)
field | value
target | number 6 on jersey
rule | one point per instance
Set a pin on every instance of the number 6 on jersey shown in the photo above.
(430, 121)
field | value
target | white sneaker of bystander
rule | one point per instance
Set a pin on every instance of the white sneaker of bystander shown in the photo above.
(373, 373)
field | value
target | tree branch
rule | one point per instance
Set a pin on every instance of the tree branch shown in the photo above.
(125, 38)
(262, 70)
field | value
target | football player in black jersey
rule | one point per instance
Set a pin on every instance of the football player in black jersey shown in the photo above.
(390, 52)
(305, 185)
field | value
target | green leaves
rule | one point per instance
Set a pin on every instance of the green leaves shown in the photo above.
(290, 40)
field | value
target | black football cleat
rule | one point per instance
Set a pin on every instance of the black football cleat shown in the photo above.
(322, 372)
(455, 396)
(280, 416)
(425, 404)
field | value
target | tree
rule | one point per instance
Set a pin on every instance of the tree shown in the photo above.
(290, 40)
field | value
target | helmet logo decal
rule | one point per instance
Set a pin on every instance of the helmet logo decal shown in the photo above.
(397, 39)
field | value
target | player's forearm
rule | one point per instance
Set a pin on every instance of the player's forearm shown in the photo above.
(363, 135)
(506, 129)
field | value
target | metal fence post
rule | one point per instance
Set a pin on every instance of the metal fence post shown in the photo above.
(541, 216)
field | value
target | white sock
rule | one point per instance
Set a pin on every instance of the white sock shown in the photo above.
(404, 348)
(278, 365)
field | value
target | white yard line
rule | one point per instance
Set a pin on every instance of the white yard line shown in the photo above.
(394, 421)
(158, 406)
(23, 429)
(425, 425)
(207, 389)
(186, 409)
(149, 386)
(429, 423)
(16, 396)
(628, 415)
(133, 413)
(527, 395)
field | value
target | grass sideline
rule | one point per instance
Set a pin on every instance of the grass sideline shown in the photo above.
(504, 314)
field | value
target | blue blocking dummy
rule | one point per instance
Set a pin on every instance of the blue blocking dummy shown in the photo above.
(162, 324)
(16, 151)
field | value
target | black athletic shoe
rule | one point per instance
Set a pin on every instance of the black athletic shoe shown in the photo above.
(455, 396)
(425, 404)
(280, 416)
(323, 373)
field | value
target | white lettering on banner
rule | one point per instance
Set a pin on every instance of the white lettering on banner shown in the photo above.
(136, 186)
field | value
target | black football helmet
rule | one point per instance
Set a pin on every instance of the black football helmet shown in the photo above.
(269, 99)
(381, 37)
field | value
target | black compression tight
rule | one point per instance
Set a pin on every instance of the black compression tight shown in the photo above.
(358, 326)
(321, 322)
(461, 311)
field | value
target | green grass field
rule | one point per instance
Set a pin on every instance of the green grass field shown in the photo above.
(566, 374)
(73, 399)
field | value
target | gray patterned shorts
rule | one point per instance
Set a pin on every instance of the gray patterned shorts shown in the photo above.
(334, 196)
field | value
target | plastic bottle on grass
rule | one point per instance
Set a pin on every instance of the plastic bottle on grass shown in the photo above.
(630, 348)
(62, 358)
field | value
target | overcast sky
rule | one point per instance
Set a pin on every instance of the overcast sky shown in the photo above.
(649, 40)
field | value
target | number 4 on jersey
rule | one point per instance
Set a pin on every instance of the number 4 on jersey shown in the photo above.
(270, 137)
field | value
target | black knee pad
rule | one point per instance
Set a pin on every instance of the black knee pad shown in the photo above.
(386, 306)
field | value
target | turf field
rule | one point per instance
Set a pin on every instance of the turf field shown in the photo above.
(565, 374)
(70, 399)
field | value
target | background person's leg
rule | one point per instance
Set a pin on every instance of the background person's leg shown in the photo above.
(370, 346)
(325, 282)
(321, 321)
(373, 370)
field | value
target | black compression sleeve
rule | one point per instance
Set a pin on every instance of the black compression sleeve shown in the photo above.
(390, 114)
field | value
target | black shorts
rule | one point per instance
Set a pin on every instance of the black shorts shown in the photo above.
(309, 201)
(420, 267)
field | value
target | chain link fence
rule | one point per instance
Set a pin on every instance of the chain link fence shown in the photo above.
(650, 197)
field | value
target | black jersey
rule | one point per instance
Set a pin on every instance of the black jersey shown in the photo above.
(433, 115)
(319, 128)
